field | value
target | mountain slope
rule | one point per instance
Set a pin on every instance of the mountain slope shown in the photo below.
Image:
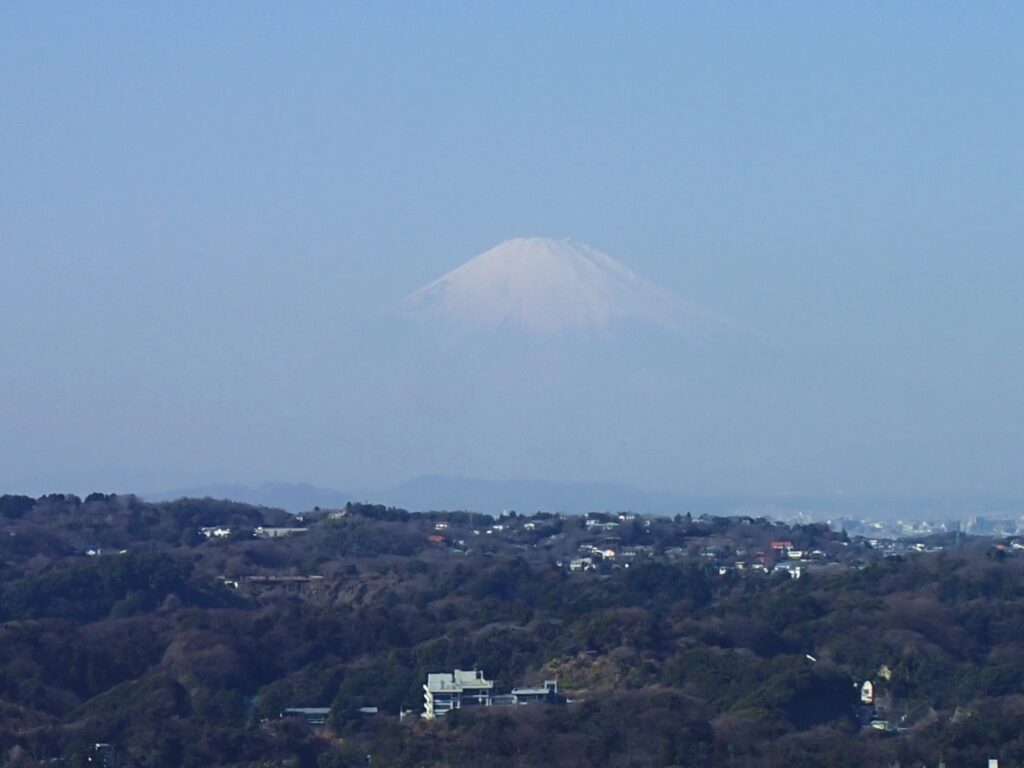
(549, 286)
(540, 358)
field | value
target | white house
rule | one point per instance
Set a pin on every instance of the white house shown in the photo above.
(265, 532)
(463, 688)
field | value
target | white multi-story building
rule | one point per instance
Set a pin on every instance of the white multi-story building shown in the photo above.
(275, 532)
(445, 692)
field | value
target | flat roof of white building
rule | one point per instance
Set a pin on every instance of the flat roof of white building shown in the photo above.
(461, 679)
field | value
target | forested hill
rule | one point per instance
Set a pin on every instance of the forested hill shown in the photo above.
(178, 634)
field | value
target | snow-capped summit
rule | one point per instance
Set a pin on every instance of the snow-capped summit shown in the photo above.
(547, 285)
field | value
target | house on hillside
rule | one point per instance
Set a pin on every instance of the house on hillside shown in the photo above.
(315, 718)
(268, 532)
(793, 570)
(460, 689)
(463, 689)
(546, 693)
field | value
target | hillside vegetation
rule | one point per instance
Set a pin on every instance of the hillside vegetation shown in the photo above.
(122, 623)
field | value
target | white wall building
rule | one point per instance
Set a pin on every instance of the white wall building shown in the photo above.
(268, 532)
(445, 692)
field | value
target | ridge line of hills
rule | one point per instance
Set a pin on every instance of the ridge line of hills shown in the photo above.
(428, 492)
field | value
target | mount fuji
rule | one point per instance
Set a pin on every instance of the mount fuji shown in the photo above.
(540, 359)
(548, 286)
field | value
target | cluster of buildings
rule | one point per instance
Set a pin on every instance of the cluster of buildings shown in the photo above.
(260, 532)
(781, 557)
(462, 689)
(743, 545)
(603, 542)
(444, 692)
(609, 550)
(893, 528)
(994, 526)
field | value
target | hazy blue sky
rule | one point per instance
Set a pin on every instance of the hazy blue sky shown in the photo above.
(196, 197)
